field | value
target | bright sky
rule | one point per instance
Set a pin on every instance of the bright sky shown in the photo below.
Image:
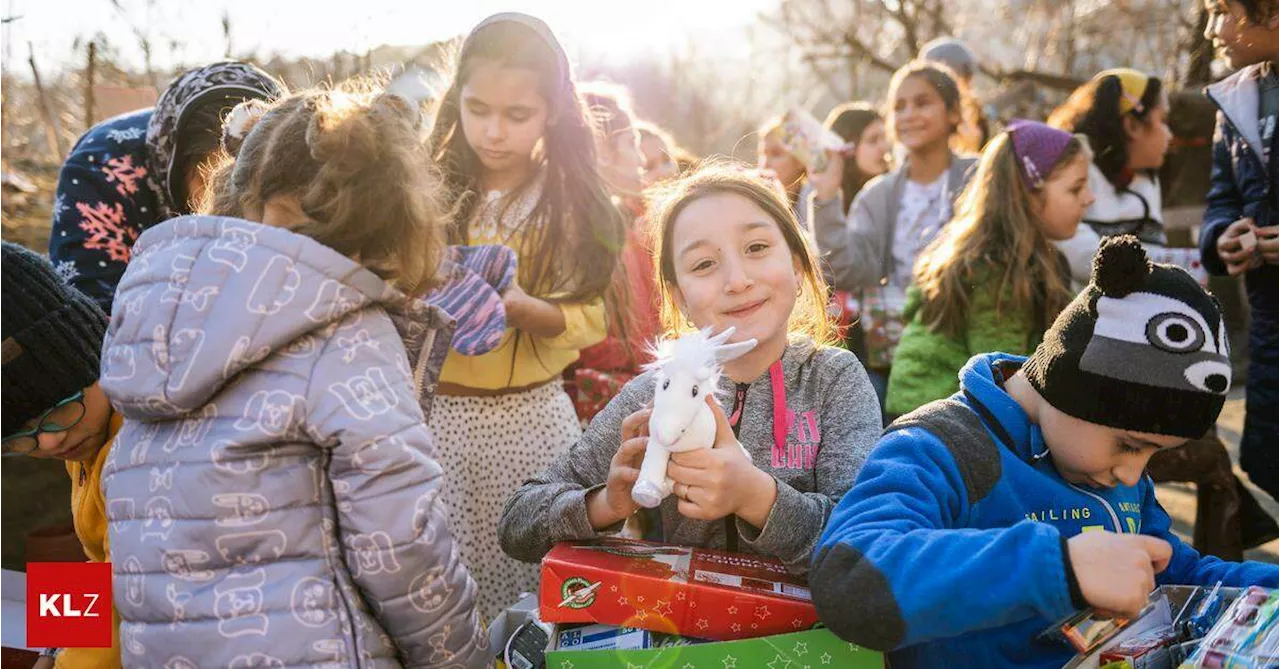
(190, 31)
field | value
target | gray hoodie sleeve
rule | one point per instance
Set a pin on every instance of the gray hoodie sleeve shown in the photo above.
(850, 426)
(852, 249)
(551, 507)
(386, 486)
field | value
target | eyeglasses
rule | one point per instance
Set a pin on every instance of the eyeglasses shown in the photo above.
(26, 441)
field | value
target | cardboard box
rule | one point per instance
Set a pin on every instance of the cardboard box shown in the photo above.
(1168, 607)
(603, 637)
(694, 592)
(818, 649)
(15, 653)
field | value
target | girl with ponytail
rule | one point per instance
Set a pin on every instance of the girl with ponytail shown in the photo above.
(1123, 113)
(276, 481)
(518, 153)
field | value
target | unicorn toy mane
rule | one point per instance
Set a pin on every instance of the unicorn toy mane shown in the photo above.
(687, 371)
(695, 352)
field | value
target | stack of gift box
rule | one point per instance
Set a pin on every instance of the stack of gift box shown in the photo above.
(625, 603)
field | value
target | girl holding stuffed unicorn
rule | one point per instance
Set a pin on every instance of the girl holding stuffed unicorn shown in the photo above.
(794, 417)
(518, 155)
(273, 495)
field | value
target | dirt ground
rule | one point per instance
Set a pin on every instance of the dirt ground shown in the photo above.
(26, 216)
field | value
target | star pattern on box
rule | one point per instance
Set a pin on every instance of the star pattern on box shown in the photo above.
(662, 608)
(641, 614)
(797, 623)
(762, 611)
(622, 601)
(702, 624)
(729, 662)
(778, 662)
(681, 596)
(800, 648)
(613, 588)
(826, 658)
(566, 665)
(640, 598)
(688, 665)
(733, 610)
(735, 628)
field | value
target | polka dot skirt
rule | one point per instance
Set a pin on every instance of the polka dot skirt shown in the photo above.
(488, 447)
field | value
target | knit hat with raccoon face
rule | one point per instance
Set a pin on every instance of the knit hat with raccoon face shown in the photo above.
(1142, 348)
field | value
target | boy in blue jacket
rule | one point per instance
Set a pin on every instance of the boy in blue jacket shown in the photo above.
(1242, 205)
(980, 520)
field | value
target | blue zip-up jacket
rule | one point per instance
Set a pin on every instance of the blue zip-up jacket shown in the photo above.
(1240, 185)
(952, 553)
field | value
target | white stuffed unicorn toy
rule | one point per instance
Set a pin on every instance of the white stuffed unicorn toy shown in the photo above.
(688, 370)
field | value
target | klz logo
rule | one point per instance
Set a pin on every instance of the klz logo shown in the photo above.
(69, 604)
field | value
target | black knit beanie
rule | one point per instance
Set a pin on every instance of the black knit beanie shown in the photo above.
(52, 338)
(1142, 348)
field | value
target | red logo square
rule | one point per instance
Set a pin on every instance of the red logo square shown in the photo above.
(69, 604)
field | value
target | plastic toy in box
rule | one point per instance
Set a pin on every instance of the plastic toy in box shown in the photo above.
(1245, 637)
(694, 592)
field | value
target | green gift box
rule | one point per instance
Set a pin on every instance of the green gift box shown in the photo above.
(811, 649)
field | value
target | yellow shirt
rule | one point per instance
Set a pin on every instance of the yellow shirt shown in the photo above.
(522, 359)
(89, 513)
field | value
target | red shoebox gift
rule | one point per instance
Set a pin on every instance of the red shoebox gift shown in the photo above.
(693, 592)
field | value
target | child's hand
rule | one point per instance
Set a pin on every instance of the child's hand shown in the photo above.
(530, 314)
(1116, 572)
(612, 503)
(715, 482)
(1268, 242)
(826, 184)
(1237, 257)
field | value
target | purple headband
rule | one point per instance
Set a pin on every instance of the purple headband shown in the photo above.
(1038, 147)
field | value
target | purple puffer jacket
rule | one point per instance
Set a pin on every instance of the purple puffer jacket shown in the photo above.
(273, 494)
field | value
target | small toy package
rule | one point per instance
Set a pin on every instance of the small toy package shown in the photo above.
(1245, 637)
(1148, 651)
(807, 139)
(603, 637)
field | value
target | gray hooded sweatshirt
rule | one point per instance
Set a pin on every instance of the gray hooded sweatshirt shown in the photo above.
(272, 498)
(834, 421)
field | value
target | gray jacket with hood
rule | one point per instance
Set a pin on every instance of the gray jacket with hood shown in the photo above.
(857, 250)
(834, 421)
(272, 497)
